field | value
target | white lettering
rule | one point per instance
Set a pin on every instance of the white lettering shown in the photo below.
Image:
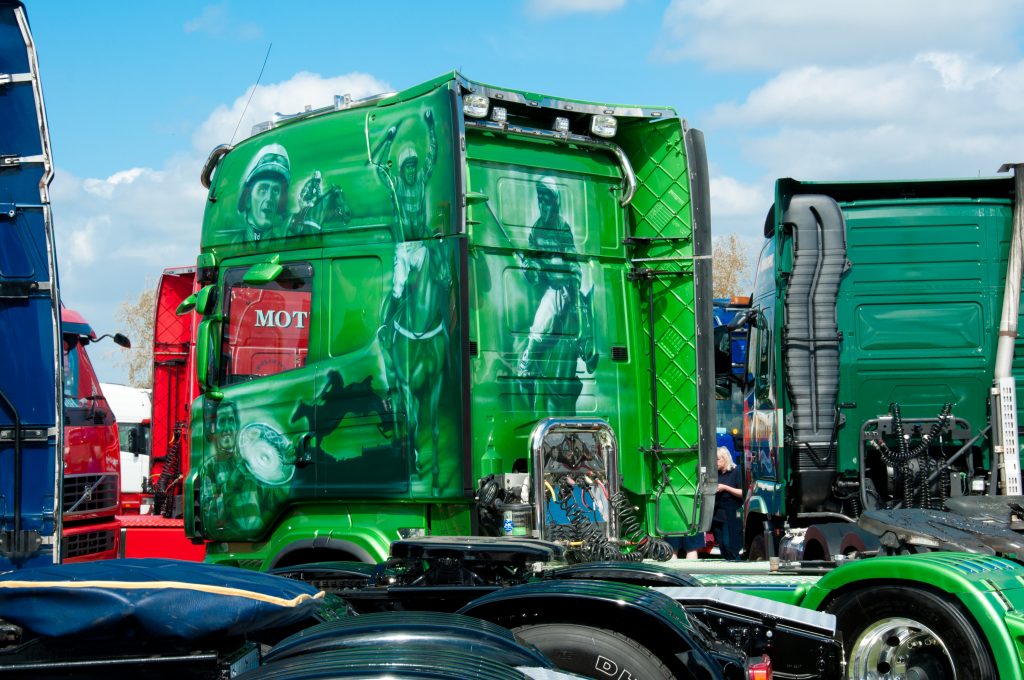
(606, 666)
(280, 319)
(264, 318)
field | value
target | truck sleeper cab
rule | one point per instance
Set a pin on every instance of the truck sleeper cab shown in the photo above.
(872, 350)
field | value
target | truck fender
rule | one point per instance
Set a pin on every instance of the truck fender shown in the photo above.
(980, 594)
(824, 541)
(638, 573)
(322, 545)
(645, 616)
(756, 505)
(430, 631)
(857, 541)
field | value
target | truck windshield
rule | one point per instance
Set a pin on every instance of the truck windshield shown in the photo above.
(267, 328)
(134, 437)
(80, 383)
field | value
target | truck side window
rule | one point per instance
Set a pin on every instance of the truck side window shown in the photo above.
(266, 329)
(753, 338)
(763, 384)
(71, 373)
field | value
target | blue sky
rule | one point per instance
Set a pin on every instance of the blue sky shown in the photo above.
(138, 93)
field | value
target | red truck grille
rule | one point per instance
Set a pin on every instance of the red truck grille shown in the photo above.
(89, 493)
(88, 543)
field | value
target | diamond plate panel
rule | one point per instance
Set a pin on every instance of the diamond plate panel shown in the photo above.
(661, 210)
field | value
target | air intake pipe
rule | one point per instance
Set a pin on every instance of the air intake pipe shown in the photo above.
(1004, 392)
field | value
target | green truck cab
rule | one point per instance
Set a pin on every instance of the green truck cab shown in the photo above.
(875, 409)
(452, 310)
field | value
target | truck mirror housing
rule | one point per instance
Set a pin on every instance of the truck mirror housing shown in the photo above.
(187, 305)
(264, 272)
(206, 299)
(206, 357)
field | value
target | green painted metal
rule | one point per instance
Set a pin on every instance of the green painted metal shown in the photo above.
(991, 589)
(457, 286)
(918, 309)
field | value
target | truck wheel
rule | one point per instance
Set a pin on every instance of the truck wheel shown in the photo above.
(897, 631)
(593, 652)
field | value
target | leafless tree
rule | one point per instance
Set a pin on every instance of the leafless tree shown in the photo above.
(136, 315)
(730, 265)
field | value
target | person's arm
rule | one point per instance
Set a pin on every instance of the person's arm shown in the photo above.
(730, 489)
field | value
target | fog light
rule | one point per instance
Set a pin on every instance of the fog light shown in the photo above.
(499, 114)
(561, 125)
(475, 105)
(603, 126)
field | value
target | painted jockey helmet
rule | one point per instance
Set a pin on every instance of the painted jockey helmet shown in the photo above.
(407, 155)
(270, 163)
(548, 188)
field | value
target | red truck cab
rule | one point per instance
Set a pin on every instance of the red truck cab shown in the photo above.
(154, 528)
(91, 485)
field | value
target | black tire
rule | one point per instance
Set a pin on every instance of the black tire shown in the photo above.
(593, 652)
(896, 631)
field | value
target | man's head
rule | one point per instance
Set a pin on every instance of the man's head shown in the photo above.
(264, 196)
(408, 164)
(548, 200)
(225, 427)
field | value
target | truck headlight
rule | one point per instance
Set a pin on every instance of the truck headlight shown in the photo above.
(603, 125)
(475, 105)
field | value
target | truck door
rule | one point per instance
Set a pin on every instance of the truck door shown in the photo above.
(761, 426)
(255, 445)
(360, 440)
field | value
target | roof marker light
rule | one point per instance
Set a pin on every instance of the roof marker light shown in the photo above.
(475, 105)
(561, 125)
(499, 114)
(603, 126)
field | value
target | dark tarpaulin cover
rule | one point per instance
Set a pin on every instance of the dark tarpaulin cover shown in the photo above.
(140, 598)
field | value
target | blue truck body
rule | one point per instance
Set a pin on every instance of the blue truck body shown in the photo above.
(30, 369)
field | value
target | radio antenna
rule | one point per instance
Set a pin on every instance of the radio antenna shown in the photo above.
(246, 107)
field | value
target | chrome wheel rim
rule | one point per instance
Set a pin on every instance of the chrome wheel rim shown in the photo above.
(899, 649)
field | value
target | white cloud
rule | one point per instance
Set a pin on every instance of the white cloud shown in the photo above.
(738, 34)
(543, 9)
(213, 19)
(739, 207)
(934, 114)
(104, 188)
(303, 89)
(731, 197)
